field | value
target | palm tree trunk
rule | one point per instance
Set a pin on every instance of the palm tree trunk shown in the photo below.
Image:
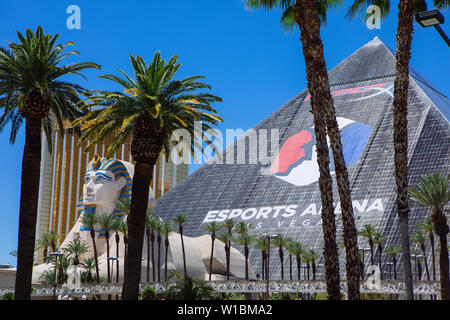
(227, 257)
(246, 262)
(299, 266)
(29, 192)
(159, 257)
(441, 229)
(143, 173)
(212, 255)
(94, 245)
(307, 18)
(307, 268)
(166, 243)
(117, 255)
(152, 240)
(401, 83)
(433, 257)
(314, 271)
(425, 260)
(280, 253)
(290, 266)
(107, 256)
(371, 251)
(380, 252)
(394, 260)
(148, 254)
(263, 266)
(182, 248)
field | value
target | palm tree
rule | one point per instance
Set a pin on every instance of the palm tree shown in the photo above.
(433, 192)
(393, 251)
(297, 249)
(150, 223)
(242, 227)
(159, 231)
(406, 10)
(417, 266)
(167, 229)
(31, 89)
(428, 227)
(180, 219)
(151, 107)
(88, 264)
(90, 220)
(368, 231)
(225, 237)
(309, 15)
(280, 242)
(245, 239)
(75, 249)
(106, 221)
(289, 246)
(378, 240)
(43, 243)
(116, 227)
(213, 228)
(420, 238)
(261, 244)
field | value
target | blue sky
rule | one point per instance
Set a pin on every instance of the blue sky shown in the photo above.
(246, 57)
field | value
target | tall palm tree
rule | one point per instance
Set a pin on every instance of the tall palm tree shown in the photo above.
(106, 221)
(212, 228)
(378, 240)
(167, 229)
(309, 15)
(433, 192)
(124, 230)
(226, 237)
(261, 244)
(116, 227)
(428, 227)
(420, 238)
(280, 242)
(150, 224)
(406, 9)
(90, 220)
(245, 239)
(31, 90)
(297, 248)
(368, 231)
(159, 229)
(393, 251)
(151, 107)
(180, 219)
(289, 246)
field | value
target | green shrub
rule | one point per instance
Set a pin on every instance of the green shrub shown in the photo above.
(148, 293)
(8, 296)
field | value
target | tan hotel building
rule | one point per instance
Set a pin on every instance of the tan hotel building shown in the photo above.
(62, 173)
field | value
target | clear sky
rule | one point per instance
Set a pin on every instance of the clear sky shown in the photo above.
(246, 57)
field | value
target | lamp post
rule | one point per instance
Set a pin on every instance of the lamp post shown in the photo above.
(432, 18)
(268, 237)
(56, 255)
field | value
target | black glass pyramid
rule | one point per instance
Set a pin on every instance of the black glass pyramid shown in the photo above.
(282, 195)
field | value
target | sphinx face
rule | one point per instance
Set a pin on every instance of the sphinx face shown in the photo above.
(100, 188)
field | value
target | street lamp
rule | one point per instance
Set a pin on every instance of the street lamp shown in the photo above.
(432, 18)
(110, 276)
(268, 237)
(390, 264)
(56, 255)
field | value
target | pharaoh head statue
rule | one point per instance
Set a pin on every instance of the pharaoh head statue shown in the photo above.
(105, 182)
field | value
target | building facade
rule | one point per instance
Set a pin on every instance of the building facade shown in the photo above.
(283, 196)
(62, 172)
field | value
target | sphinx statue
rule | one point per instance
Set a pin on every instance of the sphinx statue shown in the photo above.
(105, 182)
